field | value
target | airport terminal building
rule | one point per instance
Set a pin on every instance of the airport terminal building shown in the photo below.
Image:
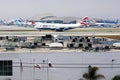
(49, 18)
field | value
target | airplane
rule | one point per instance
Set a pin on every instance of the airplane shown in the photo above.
(104, 23)
(61, 27)
(20, 22)
(27, 23)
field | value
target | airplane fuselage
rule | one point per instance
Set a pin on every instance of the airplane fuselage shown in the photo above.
(55, 26)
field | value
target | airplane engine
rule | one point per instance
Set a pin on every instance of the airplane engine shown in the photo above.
(66, 28)
(59, 29)
(62, 29)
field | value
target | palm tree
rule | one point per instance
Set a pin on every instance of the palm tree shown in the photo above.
(91, 75)
(117, 77)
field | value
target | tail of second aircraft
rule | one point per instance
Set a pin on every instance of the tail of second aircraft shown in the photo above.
(84, 20)
(116, 22)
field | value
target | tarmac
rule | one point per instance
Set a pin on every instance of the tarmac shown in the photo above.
(26, 31)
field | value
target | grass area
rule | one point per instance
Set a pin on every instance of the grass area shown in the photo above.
(111, 37)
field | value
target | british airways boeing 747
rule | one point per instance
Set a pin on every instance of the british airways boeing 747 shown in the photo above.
(61, 27)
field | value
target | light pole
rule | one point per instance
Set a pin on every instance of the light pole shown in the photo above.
(47, 67)
(113, 62)
(47, 70)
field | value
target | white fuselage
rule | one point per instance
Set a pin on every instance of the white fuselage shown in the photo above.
(55, 25)
(106, 24)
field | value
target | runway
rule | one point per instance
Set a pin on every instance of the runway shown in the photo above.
(22, 31)
(34, 33)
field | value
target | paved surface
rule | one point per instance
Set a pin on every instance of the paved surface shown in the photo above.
(22, 31)
(34, 33)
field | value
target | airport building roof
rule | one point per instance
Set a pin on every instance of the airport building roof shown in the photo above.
(50, 18)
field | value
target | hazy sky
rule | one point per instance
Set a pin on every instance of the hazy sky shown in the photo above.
(78, 8)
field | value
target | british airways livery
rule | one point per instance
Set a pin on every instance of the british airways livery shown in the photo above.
(61, 27)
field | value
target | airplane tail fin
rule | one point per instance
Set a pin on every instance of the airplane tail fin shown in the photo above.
(33, 23)
(83, 22)
(17, 22)
(116, 21)
(85, 18)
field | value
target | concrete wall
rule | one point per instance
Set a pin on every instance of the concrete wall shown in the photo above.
(66, 65)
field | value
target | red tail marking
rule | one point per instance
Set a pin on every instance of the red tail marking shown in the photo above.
(85, 18)
(32, 22)
(83, 23)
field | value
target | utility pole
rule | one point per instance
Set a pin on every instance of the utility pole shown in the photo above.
(33, 69)
(47, 70)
